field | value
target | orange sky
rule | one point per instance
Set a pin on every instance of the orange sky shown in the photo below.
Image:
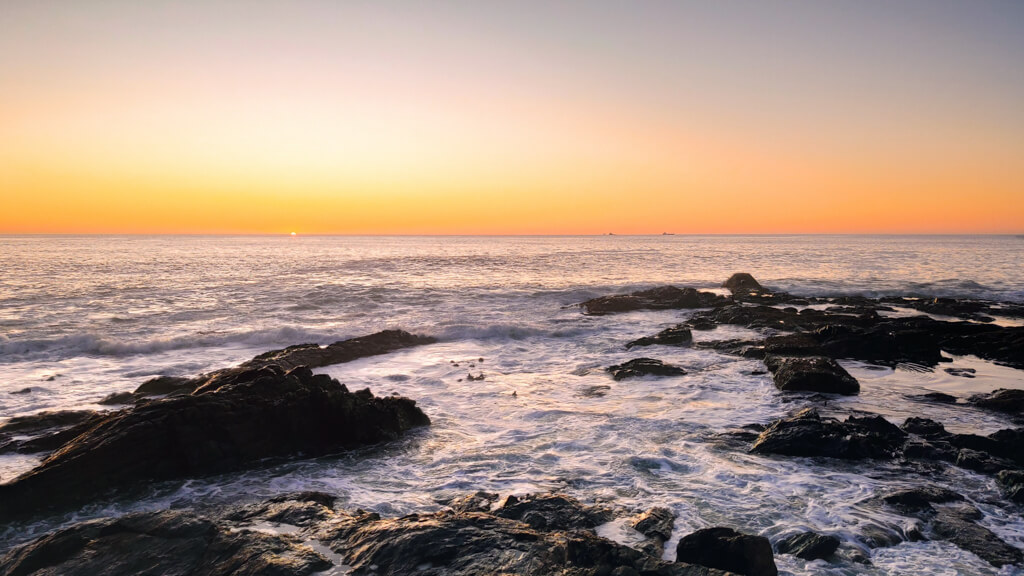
(120, 117)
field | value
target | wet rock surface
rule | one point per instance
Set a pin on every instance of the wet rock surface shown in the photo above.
(228, 422)
(43, 431)
(946, 516)
(675, 336)
(809, 546)
(811, 374)
(162, 544)
(643, 367)
(727, 549)
(809, 434)
(660, 298)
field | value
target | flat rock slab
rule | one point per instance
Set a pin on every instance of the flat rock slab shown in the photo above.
(643, 367)
(660, 298)
(811, 374)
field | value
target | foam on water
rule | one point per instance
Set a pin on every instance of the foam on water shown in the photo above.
(84, 318)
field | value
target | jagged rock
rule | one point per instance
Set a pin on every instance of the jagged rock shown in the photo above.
(727, 549)
(675, 336)
(161, 544)
(660, 298)
(643, 367)
(303, 509)
(656, 525)
(226, 424)
(809, 546)
(957, 524)
(808, 434)
(1012, 482)
(469, 541)
(551, 512)
(948, 517)
(1002, 400)
(163, 385)
(813, 374)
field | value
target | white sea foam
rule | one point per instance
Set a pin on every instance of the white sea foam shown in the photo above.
(119, 313)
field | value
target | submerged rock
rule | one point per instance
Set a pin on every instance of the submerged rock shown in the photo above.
(813, 374)
(643, 367)
(1012, 482)
(809, 546)
(675, 336)
(727, 549)
(808, 434)
(226, 424)
(660, 298)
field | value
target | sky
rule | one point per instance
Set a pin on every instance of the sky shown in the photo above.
(421, 117)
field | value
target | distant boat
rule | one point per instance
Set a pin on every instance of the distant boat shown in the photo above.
(668, 234)
(611, 234)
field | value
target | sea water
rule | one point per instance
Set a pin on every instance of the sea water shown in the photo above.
(82, 317)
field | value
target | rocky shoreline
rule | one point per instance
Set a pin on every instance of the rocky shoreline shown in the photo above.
(273, 406)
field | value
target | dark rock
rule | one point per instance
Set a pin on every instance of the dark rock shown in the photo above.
(809, 546)
(302, 509)
(1002, 400)
(660, 298)
(742, 282)
(727, 549)
(44, 421)
(228, 422)
(808, 434)
(962, 372)
(656, 525)
(163, 385)
(957, 524)
(924, 427)
(675, 336)
(1012, 482)
(551, 512)
(314, 356)
(921, 498)
(979, 461)
(118, 398)
(937, 397)
(161, 544)
(948, 517)
(468, 541)
(643, 367)
(813, 374)
(22, 391)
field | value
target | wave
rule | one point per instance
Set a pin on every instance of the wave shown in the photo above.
(97, 344)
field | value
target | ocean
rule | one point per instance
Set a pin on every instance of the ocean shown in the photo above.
(82, 317)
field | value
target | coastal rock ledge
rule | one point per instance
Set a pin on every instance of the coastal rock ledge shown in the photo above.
(302, 534)
(233, 419)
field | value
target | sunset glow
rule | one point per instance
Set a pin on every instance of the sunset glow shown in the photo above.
(437, 118)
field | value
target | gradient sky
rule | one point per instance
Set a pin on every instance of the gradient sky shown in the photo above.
(522, 118)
